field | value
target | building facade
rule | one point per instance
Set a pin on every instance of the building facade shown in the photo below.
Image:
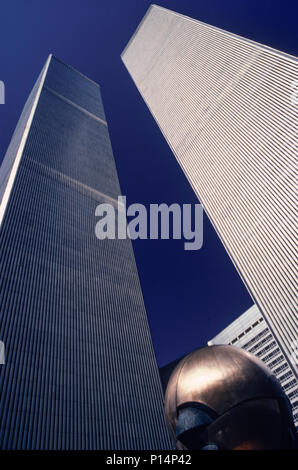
(225, 106)
(251, 332)
(80, 370)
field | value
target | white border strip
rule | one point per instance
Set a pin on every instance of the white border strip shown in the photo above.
(19, 154)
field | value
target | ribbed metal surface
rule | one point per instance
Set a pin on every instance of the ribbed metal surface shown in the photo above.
(16, 138)
(80, 368)
(224, 105)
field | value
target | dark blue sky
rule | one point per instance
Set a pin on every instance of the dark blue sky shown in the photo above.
(189, 295)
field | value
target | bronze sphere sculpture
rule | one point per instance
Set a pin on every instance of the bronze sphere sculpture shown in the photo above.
(221, 397)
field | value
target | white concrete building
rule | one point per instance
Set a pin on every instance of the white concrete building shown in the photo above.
(226, 107)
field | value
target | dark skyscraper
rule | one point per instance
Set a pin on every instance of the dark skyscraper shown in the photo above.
(80, 370)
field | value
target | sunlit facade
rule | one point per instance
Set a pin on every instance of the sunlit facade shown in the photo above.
(225, 106)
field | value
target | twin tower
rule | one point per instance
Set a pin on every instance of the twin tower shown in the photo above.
(80, 370)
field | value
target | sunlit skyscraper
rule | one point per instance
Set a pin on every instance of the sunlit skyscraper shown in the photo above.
(227, 108)
(80, 370)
